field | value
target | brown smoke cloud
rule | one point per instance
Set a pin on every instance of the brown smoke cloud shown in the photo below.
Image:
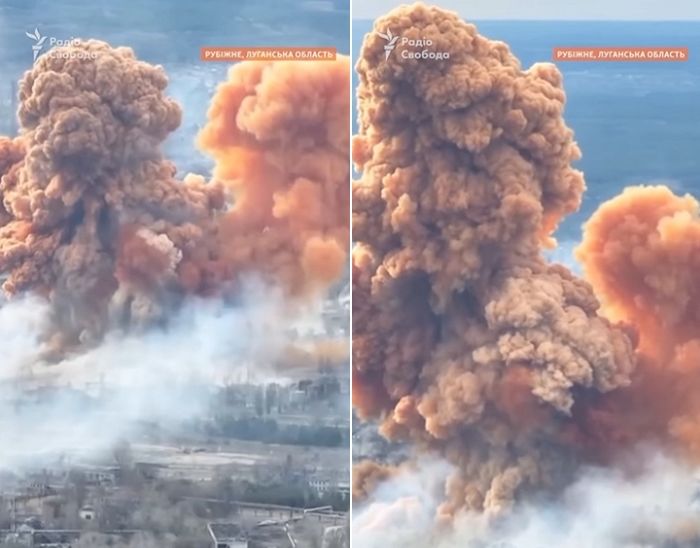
(465, 340)
(366, 475)
(90, 131)
(94, 218)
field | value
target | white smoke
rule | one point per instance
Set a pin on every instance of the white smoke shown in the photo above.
(164, 374)
(657, 506)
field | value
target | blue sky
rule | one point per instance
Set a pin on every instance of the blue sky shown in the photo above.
(642, 10)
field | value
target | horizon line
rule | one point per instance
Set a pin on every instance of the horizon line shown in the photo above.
(522, 20)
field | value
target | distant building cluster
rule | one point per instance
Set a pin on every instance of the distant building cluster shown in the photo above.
(56, 509)
(327, 390)
(218, 463)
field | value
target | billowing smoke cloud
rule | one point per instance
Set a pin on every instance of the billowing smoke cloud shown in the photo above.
(367, 475)
(641, 252)
(279, 133)
(165, 375)
(656, 506)
(465, 339)
(94, 218)
(92, 209)
(148, 289)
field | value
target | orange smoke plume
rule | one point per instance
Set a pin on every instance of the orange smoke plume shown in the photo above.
(279, 133)
(465, 340)
(93, 217)
(641, 252)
